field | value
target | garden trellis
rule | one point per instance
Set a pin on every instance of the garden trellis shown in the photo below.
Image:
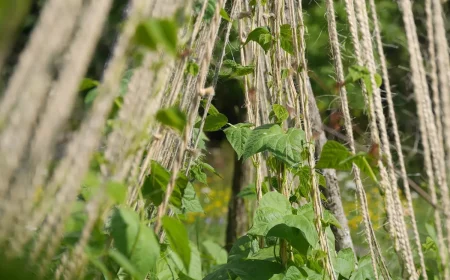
(152, 121)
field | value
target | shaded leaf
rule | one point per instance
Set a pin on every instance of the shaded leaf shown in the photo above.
(215, 122)
(178, 239)
(134, 240)
(218, 254)
(172, 117)
(155, 185)
(158, 32)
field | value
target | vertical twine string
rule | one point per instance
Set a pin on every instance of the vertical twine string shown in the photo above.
(304, 104)
(433, 159)
(396, 211)
(398, 145)
(73, 167)
(57, 112)
(368, 229)
(213, 29)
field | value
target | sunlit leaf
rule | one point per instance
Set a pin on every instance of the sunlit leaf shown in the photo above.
(262, 36)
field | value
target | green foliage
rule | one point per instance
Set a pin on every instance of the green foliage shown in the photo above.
(356, 73)
(172, 117)
(364, 270)
(286, 146)
(217, 253)
(234, 69)
(136, 244)
(192, 68)
(213, 122)
(155, 33)
(116, 191)
(87, 84)
(190, 202)
(279, 114)
(262, 36)
(336, 156)
(155, 185)
(225, 15)
(210, 9)
(237, 135)
(345, 262)
(286, 40)
(178, 239)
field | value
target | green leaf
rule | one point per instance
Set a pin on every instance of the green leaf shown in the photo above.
(116, 191)
(125, 263)
(172, 117)
(287, 147)
(293, 274)
(279, 113)
(243, 248)
(237, 135)
(125, 81)
(178, 239)
(100, 266)
(212, 109)
(216, 252)
(240, 70)
(88, 83)
(334, 155)
(155, 185)
(197, 173)
(190, 202)
(158, 32)
(210, 9)
(255, 269)
(345, 262)
(330, 219)
(272, 208)
(364, 271)
(209, 168)
(298, 230)
(284, 73)
(286, 41)
(134, 240)
(276, 200)
(91, 95)
(357, 72)
(214, 122)
(195, 267)
(224, 15)
(192, 68)
(267, 254)
(262, 36)
(246, 270)
(203, 138)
